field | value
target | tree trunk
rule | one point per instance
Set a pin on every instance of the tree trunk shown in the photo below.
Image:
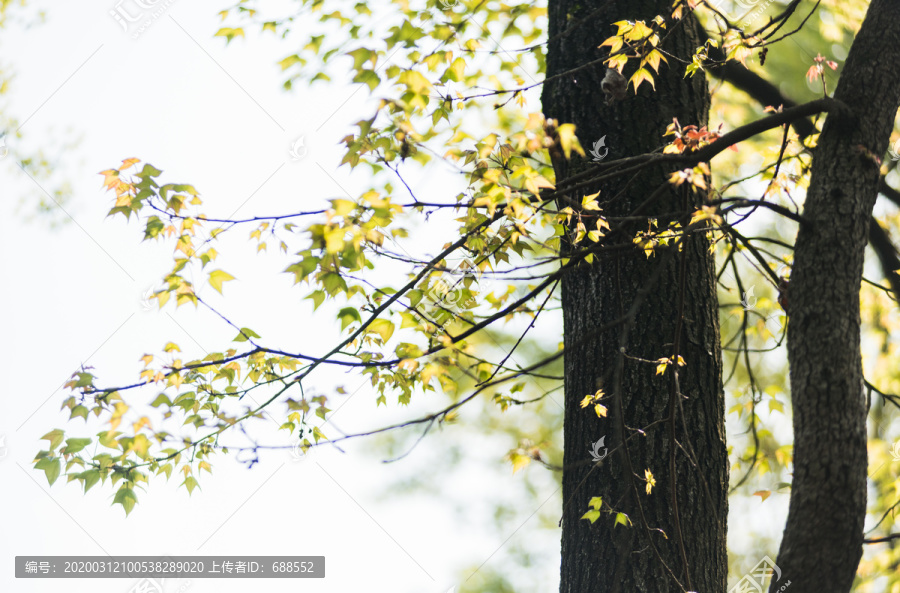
(822, 541)
(649, 554)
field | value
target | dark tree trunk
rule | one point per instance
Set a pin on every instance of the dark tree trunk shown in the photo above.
(603, 557)
(822, 541)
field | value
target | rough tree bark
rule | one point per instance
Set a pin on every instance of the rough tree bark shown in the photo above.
(822, 541)
(601, 557)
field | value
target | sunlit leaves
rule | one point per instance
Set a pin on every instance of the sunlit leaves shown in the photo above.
(639, 76)
(622, 519)
(594, 399)
(650, 481)
(594, 513)
(568, 141)
(663, 363)
(428, 81)
(523, 455)
(383, 327)
(636, 40)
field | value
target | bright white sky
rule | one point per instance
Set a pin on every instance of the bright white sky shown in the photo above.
(217, 118)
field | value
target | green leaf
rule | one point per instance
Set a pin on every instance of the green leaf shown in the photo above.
(161, 399)
(79, 410)
(217, 277)
(333, 283)
(51, 467)
(76, 445)
(108, 438)
(622, 519)
(127, 498)
(368, 77)
(245, 333)
(591, 516)
(154, 227)
(190, 482)
(415, 296)
(91, 477)
(55, 437)
(348, 315)
(149, 171)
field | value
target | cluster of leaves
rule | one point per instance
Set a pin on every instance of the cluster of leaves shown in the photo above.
(440, 67)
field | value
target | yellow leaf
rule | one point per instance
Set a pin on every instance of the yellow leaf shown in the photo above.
(614, 43)
(600, 410)
(590, 202)
(653, 59)
(651, 481)
(617, 62)
(518, 460)
(110, 178)
(638, 32)
(415, 81)
(640, 76)
(217, 277)
(383, 328)
(623, 27)
(568, 141)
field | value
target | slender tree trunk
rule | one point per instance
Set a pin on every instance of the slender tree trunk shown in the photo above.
(681, 308)
(822, 541)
